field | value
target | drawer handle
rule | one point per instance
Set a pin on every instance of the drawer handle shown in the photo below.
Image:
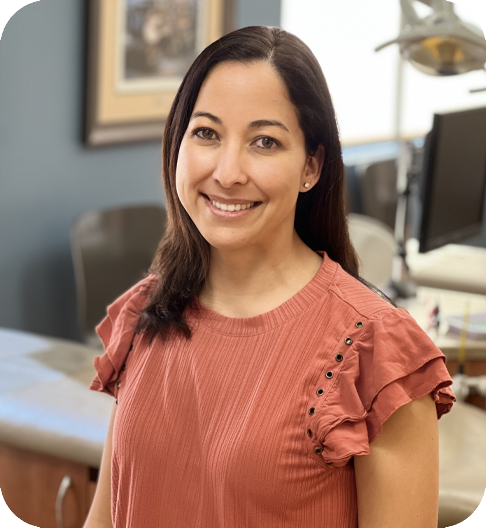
(65, 485)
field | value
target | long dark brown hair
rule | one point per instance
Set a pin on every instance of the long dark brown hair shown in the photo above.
(181, 263)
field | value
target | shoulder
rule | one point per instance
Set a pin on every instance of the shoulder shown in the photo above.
(358, 297)
(383, 323)
(390, 341)
(381, 361)
(125, 309)
(134, 296)
(117, 332)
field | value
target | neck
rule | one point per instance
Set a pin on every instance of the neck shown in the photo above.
(254, 280)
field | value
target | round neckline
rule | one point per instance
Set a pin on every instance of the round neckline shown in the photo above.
(313, 290)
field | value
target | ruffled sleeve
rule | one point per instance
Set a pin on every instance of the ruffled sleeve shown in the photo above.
(117, 331)
(390, 362)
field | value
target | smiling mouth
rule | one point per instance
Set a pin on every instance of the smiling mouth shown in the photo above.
(231, 207)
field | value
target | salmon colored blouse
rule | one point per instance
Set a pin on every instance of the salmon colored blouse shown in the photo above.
(253, 422)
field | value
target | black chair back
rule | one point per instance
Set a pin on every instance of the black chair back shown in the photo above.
(112, 249)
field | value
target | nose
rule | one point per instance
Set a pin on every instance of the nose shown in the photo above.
(230, 166)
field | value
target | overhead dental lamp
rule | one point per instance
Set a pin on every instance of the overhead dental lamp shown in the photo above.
(441, 43)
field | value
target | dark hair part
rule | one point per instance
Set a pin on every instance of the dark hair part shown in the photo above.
(182, 260)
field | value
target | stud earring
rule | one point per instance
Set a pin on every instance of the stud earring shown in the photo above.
(306, 185)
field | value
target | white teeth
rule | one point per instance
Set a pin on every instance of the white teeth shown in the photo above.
(232, 207)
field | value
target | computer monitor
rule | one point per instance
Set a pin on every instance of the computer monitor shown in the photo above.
(453, 178)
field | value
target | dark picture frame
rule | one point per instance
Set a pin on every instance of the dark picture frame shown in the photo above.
(137, 54)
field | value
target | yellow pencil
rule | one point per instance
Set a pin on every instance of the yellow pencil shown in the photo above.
(462, 345)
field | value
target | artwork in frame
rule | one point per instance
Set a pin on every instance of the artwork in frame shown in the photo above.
(138, 53)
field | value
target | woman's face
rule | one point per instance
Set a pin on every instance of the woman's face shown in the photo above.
(244, 145)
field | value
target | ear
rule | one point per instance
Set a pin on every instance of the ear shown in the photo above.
(313, 167)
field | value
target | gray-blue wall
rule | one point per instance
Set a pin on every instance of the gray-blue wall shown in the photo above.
(257, 13)
(47, 177)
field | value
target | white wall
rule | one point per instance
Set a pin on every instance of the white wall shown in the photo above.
(343, 34)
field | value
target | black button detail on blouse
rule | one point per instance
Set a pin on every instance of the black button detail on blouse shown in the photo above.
(309, 432)
(339, 357)
(329, 374)
(348, 341)
(116, 401)
(118, 385)
(124, 367)
(312, 410)
(317, 450)
(320, 392)
(359, 324)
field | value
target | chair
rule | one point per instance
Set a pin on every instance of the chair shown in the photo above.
(375, 244)
(462, 463)
(379, 191)
(111, 251)
(353, 189)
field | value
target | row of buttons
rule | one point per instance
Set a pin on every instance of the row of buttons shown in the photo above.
(124, 367)
(329, 375)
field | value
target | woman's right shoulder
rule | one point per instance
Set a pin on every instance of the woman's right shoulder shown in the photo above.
(135, 293)
(126, 306)
(117, 332)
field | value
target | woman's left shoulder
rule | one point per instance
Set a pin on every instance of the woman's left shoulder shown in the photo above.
(384, 364)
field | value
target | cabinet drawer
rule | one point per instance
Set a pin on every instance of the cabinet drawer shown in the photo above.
(30, 483)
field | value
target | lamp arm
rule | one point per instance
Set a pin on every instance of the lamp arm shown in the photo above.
(439, 5)
(409, 17)
(389, 43)
(443, 7)
(409, 13)
(398, 40)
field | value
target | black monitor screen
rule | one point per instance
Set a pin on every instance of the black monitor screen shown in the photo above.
(454, 178)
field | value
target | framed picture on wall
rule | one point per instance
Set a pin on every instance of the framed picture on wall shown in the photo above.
(138, 53)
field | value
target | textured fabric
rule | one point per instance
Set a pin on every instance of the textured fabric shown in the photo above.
(253, 422)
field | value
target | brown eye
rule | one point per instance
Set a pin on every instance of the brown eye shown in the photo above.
(266, 143)
(205, 133)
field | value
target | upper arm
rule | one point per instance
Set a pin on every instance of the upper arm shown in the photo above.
(100, 512)
(398, 482)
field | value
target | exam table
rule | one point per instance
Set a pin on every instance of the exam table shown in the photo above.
(462, 455)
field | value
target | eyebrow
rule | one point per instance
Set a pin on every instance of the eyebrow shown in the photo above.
(267, 122)
(254, 124)
(212, 117)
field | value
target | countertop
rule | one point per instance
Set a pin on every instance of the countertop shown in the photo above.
(45, 403)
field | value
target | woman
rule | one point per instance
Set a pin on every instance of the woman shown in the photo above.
(258, 381)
